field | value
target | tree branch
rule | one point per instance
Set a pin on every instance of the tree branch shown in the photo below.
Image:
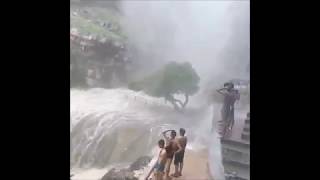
(186, 100)
(180, 102)
(174, 101)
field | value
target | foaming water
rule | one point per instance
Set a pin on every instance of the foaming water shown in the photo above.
(116, 126)
(89, 174)
(216, 168)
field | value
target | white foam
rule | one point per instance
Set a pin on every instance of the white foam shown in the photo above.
(88, 174)
(114, 111)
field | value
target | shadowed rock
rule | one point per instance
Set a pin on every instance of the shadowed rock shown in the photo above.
(123, 174)
(127, 173)
(140, 163)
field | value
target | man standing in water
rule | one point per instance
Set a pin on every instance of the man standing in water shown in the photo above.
(160, 163)
(172, 147)
(178, 158)
(227, 112)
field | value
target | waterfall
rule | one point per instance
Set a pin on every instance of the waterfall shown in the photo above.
(112, 127)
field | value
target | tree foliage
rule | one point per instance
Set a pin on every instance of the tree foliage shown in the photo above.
(175, 78)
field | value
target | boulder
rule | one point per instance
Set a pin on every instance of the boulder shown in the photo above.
(140, 163)
(127, 173)
(123, 174)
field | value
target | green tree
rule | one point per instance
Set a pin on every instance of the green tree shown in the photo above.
(175, 78)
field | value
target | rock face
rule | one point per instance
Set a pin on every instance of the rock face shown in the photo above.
(127, 173)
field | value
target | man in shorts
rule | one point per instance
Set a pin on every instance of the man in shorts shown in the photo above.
(178, 157)
(172, 147)
(227, 112)
(160, 164)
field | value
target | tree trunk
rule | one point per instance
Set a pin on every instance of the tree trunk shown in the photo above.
(186, 100)
(171, 99)
(177, 104)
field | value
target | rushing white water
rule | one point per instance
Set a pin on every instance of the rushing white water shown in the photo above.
(116, 126)
(216, 168)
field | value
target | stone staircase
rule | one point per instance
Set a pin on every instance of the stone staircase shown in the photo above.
(246, 130)
(236, 153)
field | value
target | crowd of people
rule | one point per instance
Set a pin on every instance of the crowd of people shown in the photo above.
(171, 149)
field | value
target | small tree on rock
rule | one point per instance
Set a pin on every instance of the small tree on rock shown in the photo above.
(174, 79)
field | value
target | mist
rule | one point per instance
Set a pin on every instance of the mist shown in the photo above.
(108, 123)
(212, 35)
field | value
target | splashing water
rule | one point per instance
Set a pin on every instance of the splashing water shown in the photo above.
(116, 126)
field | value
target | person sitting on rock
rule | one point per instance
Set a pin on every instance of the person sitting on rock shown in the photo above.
(159, 166)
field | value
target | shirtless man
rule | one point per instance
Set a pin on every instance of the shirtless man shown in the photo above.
(227, 112)
(178, 157)
(159, 166)
(172, 147)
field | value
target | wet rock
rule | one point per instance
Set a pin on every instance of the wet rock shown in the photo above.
(127, 173)
(233, 176)
(123, 174)
(140, 163)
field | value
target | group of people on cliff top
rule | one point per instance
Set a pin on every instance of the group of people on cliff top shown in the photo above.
(171, 148)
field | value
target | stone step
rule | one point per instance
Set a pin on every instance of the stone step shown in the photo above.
(231, 177)
(241, 160)
(244, 143)
(236, 154)
(246, 129)
(245, 136)
(236, 163)
(245, 132)
(235, 148)
(242, 171)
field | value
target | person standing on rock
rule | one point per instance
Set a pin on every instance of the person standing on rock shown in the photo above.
(179, 156)
(235, 96)
(227, 112)
(172, 147)
(160, 164)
